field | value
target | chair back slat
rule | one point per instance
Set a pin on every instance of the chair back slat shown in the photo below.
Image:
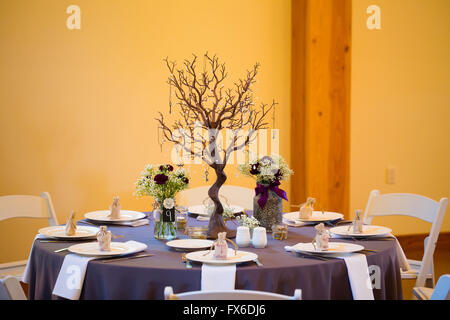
(22, 207)
(193, 196)
(236, 195)
(403, 204)
(229, 295)
(25, 206)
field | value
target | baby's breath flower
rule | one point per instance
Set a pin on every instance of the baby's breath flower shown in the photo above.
(266, 169)
(162, 188)
(246, 221)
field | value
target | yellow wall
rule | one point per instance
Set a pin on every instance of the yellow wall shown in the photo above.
(400, 103)
(77, 106)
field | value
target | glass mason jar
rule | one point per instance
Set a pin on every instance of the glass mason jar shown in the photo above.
(272, 213)
(181, 218)
(165, 223)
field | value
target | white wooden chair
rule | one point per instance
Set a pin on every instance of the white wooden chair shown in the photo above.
(229, 295)
(440, 292)
(236, 195)
(10, 289)
(417, 206)
(20, 206)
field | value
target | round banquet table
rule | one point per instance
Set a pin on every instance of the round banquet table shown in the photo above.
(145, 278)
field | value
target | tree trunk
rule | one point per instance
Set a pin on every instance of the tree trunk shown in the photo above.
(216, 223)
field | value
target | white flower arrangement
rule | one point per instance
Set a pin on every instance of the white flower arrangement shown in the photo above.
(266, 169)
(246, 221)
(161, 182)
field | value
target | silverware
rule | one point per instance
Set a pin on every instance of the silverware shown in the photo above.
(258, 263)
(60, 241)
(337, 223)
(369, 250)
(87, 222)
(310, 256)
(186, 260)
(112, 259)
(373, 239)
(343, 222)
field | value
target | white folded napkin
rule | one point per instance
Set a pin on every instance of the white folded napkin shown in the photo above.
(402, 260)
(293, 223)
(71, 276)
(358, 275)
(26, 273)
(203, 218)
(73, 270)
(138, 223)
(218, 277)
(139, 246)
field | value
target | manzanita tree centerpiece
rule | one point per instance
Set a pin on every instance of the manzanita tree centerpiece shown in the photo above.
(204, 104)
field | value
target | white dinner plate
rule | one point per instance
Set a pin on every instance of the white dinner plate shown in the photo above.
(232, 258)
(202, 210)
(103, 216)
(59, 232)
(190, 244)
(317, 216)
(368, 231)
(333, 248)
(93, 249)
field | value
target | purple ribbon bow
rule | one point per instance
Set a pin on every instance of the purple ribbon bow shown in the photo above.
(264, 192)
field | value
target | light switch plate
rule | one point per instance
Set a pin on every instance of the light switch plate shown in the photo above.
(391, 175)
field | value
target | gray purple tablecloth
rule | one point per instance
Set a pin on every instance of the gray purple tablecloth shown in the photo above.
(145, 278)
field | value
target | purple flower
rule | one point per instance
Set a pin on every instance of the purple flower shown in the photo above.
(278, 175)
(254, 170)
(161, 178)
(167, 167)
(185, 180)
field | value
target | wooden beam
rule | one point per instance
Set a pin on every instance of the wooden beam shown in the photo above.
(298, 180)
(325, 111)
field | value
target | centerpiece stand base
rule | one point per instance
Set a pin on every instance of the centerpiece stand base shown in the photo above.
(213, 233)
(217, 225)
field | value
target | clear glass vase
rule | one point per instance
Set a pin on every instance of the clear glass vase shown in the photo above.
(271, 214)
(165, 230)
(165, 224)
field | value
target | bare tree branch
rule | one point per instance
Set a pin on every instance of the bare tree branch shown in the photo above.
(205, 104)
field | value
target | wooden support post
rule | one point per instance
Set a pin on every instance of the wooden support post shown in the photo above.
(321, 102)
